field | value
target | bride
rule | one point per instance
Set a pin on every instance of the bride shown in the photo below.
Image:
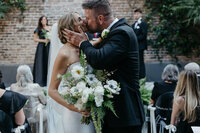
(64, 117)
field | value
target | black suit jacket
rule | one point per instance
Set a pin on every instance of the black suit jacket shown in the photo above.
(119, 51)
(141, 33)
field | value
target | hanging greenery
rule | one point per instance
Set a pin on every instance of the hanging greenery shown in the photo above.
(7, 6)
(178, 27)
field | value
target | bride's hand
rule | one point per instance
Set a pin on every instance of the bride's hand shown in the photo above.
(96, 42)
(85, 113)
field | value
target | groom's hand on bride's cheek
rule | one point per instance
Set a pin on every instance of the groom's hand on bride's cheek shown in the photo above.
(74, 37)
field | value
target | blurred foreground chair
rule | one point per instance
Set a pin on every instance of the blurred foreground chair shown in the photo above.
(160, 114)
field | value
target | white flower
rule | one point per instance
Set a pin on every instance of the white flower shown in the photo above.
(65, 91)
(48, 35)
(91, 79)
(79, 104)
(74, 91)
(98, 93)
(81, 86)
(89, 69)
(85, 94)
(104, 33)
(137, 27)
(139, 21)
(59, 76)
(77, 72)
(112, 86)
(98, 100)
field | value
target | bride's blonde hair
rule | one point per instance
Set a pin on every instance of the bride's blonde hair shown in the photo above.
(188, 87)
(67, 21)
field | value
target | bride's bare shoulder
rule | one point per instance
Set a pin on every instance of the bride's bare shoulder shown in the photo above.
(64, 52)
(63, 57)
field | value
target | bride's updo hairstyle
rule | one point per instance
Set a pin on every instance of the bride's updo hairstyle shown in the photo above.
(67, 21)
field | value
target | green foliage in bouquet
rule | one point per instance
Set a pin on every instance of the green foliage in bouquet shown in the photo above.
(145, 94)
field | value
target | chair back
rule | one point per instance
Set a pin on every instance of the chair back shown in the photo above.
(164, 106)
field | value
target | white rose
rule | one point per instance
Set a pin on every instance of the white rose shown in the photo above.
(98, 100)
(80, 86)
(85, 94)
(99, 91)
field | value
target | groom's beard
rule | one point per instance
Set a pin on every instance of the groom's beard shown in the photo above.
(98, 28)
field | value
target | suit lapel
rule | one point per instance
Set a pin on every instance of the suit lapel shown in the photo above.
(119, 23)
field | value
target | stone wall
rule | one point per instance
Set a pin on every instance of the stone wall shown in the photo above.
(16, 37)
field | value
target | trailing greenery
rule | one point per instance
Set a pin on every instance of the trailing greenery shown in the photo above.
(6, 6)
(178, 27)
(145, 94)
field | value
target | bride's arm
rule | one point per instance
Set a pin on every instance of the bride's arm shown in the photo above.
(60, 67)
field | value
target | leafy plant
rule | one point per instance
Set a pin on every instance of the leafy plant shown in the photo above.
(177, 29)
(145, 94)
(190, 9)
(7, 6)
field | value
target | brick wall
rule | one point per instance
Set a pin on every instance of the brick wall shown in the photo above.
(16, 38)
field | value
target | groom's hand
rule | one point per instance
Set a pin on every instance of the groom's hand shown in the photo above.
(74, 37)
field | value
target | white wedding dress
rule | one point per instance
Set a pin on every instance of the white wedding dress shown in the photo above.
(61, 119)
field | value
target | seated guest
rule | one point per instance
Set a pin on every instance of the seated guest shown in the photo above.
(12, 103)
(32, 91)
(169, 77)
(194, 67)
(186, 104)
(2, 86)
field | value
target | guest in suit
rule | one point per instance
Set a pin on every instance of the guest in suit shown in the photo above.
(194, 67)
(140, 29)
(118, 52)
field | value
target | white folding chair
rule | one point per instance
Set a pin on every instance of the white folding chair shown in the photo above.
(171, 128)
(40, 110)
(152, 118)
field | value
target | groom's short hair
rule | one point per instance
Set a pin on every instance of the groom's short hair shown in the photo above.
(101, 7)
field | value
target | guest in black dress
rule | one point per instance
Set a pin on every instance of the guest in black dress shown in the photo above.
(40, 68)
(11, 106)
(186, 102)
(2, 86)
(169, 77)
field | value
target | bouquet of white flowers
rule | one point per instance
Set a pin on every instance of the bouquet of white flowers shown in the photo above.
(47, 35)
(87, 88)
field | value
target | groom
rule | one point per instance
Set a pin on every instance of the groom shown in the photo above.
(118, 52)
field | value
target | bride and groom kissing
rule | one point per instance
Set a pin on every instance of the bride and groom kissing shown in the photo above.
(118, 51)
